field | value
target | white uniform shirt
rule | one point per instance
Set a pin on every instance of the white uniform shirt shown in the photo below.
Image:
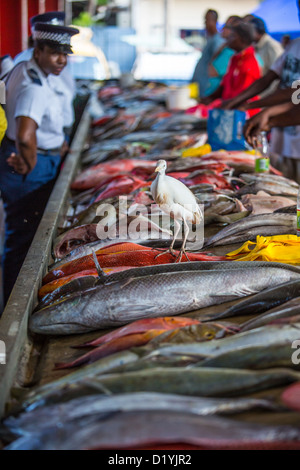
(64, 80)
(285, 141)
(30, 93)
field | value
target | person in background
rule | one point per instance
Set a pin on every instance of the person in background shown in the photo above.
(285, 40)
(55, 18)
(220, 61)
(30, 151)
(3, 124)
(247, 18)
(6, 65)
(214, 41)
(52, 17)
(243, 69)
(280, 116)
(285, 141)
(268, 48)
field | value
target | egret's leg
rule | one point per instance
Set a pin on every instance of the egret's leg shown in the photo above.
(170, 250)
(182, 249)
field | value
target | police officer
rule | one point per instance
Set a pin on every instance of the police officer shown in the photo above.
(30, 151)
(65, 80)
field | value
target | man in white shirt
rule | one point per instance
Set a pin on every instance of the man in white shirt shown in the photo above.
(268, 48)
(30, 152)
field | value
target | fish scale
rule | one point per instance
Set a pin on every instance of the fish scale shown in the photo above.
(120, 301)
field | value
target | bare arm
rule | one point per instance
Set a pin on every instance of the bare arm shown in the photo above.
(214, 96)
(255, 89)
(278, 97)
(280, 115)
(288, 118)
(25, 160)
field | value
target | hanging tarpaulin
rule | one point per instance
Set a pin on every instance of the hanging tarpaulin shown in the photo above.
(281, 17)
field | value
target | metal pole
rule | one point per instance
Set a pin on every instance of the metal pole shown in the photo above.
(68, 12)
(166, 23)
(61, 5)
(24, 24)
(42, 6)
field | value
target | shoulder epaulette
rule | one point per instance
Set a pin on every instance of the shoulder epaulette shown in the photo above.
(34, 76)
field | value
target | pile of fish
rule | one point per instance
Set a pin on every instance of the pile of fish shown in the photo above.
(172, 370)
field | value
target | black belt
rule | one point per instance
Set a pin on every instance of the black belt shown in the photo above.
(42, 151)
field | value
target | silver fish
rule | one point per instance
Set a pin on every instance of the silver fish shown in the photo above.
(261, 302)
(115, 303)
(264, 177)
(197, 381)
(135, 430)
(263, 336)
(288, 309)
(254, 357)
(263, 222)
(48, 416)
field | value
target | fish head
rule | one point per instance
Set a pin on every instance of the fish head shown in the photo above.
(177, 322)
(209, 331)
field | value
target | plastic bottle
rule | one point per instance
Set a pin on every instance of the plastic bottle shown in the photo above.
(298, 213)
(262, 161)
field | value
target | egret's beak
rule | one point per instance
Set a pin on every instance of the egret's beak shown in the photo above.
(158, 168)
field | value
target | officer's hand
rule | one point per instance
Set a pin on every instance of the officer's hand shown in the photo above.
(18, 164)
(64, 149)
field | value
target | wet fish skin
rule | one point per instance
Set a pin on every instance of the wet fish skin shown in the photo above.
(144, 257)
(194, 333)
(133, 430)
(287, 210)
(150, 270)
(248, 223)
(269, 187)
(140, 326)
(197, 381)
(263, 336)
(39, 396)
(288, 309)
(252, 233)
(248, 177)
(254, 357)
(104, 307)
(263, 301)
(152, 337)
(46, 417)
(118, 344)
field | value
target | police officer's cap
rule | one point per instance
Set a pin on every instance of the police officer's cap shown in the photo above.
(57, 37)
(51, 17)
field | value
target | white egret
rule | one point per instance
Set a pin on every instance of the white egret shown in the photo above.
(175, 199)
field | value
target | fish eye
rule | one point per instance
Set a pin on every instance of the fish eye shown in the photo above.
(209, 335)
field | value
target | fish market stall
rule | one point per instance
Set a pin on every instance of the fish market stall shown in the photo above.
(179, 351)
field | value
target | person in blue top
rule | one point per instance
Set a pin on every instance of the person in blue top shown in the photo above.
(214, 41)
(30, 151)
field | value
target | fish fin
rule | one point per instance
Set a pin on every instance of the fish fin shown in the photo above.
(237, 292)
(97, 385)
(101, 274)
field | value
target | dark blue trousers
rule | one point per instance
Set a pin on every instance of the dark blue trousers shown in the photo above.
(24, 204)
